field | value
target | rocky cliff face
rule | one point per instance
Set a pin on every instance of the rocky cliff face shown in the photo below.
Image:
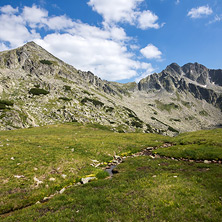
(38, 89)
(202, 83)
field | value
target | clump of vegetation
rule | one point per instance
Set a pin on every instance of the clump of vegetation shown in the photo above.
(170, 128)
(149, 129)
(65, 98)
(37, 91)
(131, 112)
(86, 92)
(67, 88)
(5, 103)
(176, 120)
(46, 62)
(203, 113)
(95, 102)
(137, 124)
(108, 109)
(189, 118)
(185, 103)
(167, 107)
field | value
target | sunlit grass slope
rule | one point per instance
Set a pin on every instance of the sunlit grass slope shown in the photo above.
(200, 145)
(36, 162)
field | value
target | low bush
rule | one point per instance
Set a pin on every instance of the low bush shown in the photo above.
(37, 91)
(65, 98)
(67, 88)
(94, 101)
(46, 62)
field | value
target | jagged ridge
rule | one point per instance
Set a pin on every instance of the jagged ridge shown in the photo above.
(175, 97)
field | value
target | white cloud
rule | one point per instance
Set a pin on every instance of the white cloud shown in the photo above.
(200, 12)
(177, 2)
(8, 9)
(34, 15)
(217, 18)
(151, 52)
(59, 22)
(13, 30)
(147, 19)
(104, 51)
(114, 33)
(116, 11)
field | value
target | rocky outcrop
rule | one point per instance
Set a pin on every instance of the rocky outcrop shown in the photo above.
(191, 78)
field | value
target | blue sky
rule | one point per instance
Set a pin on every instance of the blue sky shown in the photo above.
(118, 40)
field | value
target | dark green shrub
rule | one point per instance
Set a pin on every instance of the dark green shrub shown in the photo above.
(86, 92)
(137, 124)
(149, 128)
(6, 103)
(203, 113)
(172, 129)
(176, 120)
(67, 88)
(94, 101)
(2, 106)
(46, 62)
(37, 91)
(65, 98)
(109, 109)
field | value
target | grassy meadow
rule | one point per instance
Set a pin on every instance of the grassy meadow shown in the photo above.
(57, 156)
(37, 162)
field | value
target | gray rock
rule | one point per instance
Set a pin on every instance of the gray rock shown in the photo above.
(87, 179)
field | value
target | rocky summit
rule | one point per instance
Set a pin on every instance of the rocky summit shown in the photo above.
(39, 89)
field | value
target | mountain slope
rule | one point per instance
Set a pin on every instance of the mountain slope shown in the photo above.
(38, 89)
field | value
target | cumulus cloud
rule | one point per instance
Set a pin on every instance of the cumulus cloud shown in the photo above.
(14, 31)
(34, 14)
(116, 11)
(8, 9)
(200, 12)
(151, 52)
(104, 51)
(147, 19)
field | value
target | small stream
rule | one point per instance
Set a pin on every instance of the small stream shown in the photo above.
(109, 170)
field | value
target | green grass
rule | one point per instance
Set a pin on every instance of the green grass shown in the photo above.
(200, 145)
(143, 190)
(52, 151)
(168, 107)
(46, 62)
